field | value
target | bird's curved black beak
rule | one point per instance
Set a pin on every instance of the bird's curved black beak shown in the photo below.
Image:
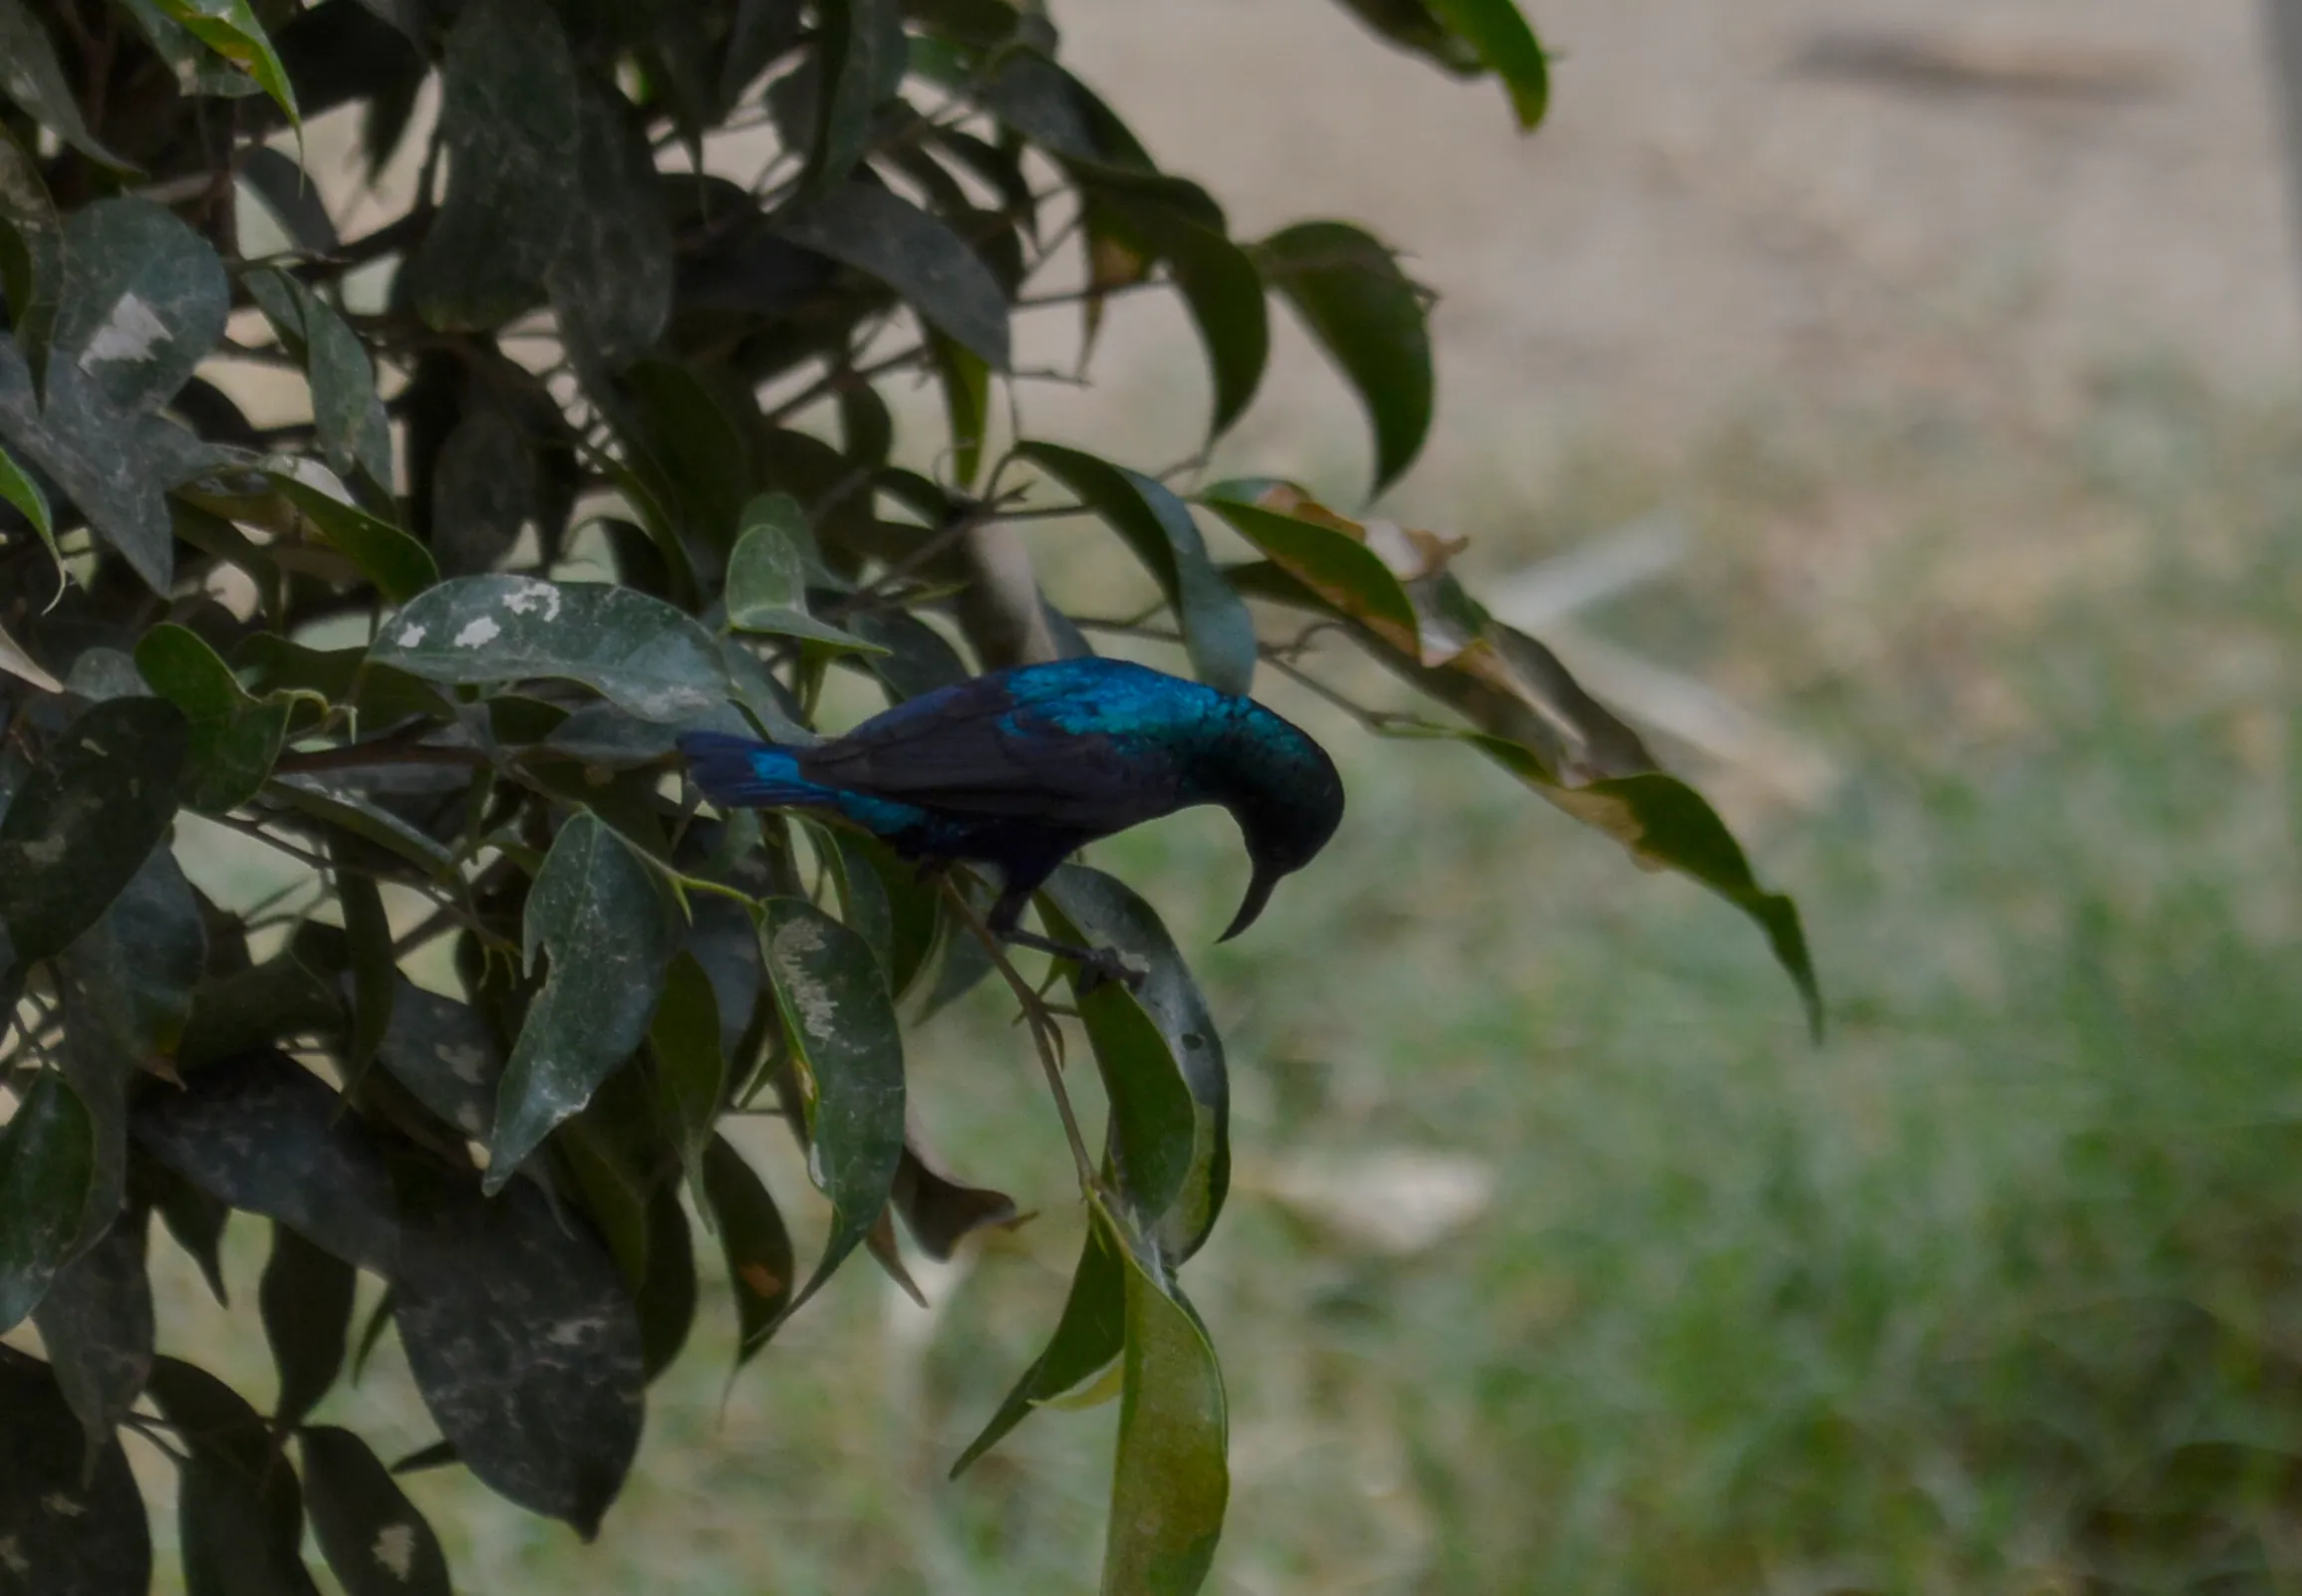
(1258, 895)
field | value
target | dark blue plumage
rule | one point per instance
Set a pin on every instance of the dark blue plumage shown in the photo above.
(1021, 767)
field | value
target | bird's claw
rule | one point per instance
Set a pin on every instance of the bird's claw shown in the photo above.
(1105, 965)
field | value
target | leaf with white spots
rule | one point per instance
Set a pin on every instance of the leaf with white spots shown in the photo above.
(143, 299)
(62, 1534)
(444, 1053)
(266, 1135)
(599, 914)
(639, 652)
(523, 1340)
(375, 1541)
(847, 1050)
(83, 820)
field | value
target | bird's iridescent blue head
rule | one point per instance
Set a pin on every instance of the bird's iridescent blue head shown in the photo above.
(1286, 796)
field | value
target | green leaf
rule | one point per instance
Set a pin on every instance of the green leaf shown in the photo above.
(1105, 913)
(265, 1135)
(1153, 1129)
(31, 251)
(347, 411)
(97, 1324)
(642, 653)
(142, 301)
(305, 1298)
(691, 1075)
(47, 1164)
(689, 451)
(600, 915)
(666, 1301)
(31, 75)
(1526, 711)
(294, 200)
(374, 972)
(375, 1541)
(1369, 318)
(760, 1264)
(523, 1343)
(847, 1050)
(611, 278)
(484, 488)
(239, 1509)
(1341, 570)
(73, 1531)
(195, 1220)
(512, 118)
(940, 1210)
(83, 820)
(1506, 47)
(231, 28)
(933, 269)
(334, 804)
(1216, 627)
(1091, 1332)
(444, 1053)
(966, 399)
(24, 493)
(1171, 1482)
(1221, 287)
(127, 988)
(861, 54)
(399, 566)
(234, 738)
(768, 577)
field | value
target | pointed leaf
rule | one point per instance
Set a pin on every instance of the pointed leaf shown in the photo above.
(1157, 525)
(305, 1298)
(347, 411)
(1105, 913)
(666, 1302)
(47, 1164)
(31, 75)
(24, 493)
(861, 57)
(31, 251)
(231, 28)
(1505, 46)
(760, 1264)
(195, 1220)
(268, 1136)
(512, 118)
(640, 653)
(1341, 570)
(1172, 1482)
(967, 397)
(1090, 1333)
(940, 1210)
(97, 1324)
(294, 200)
(401, 567)
(612, 279)
(768, 577)
(524, 1345)
(375, 973)
(239, 1508)
(1369, 318)
(484, 488)
(691, 1075)
(847, 1050)
(886, 236)
(234, 738)
(597, 912)
(69, 1532)
(376, 1542)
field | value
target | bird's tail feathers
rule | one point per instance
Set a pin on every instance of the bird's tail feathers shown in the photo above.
(742, 772)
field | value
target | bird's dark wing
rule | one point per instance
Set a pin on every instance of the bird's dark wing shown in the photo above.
(972, 749)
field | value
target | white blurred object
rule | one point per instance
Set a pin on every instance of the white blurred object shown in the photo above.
(1540, 597)
(1396, 1201)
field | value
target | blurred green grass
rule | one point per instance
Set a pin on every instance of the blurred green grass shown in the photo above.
(1995, 1292)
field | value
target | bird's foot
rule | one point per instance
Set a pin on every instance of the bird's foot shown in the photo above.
(1100, 965)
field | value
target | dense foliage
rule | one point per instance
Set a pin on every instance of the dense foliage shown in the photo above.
(596, 451)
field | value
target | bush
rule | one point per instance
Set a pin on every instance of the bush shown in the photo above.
(597, 452)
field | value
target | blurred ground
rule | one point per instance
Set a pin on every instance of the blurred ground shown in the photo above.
(1729, 205)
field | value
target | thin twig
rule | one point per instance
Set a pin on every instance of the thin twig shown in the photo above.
(1046, 1037)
